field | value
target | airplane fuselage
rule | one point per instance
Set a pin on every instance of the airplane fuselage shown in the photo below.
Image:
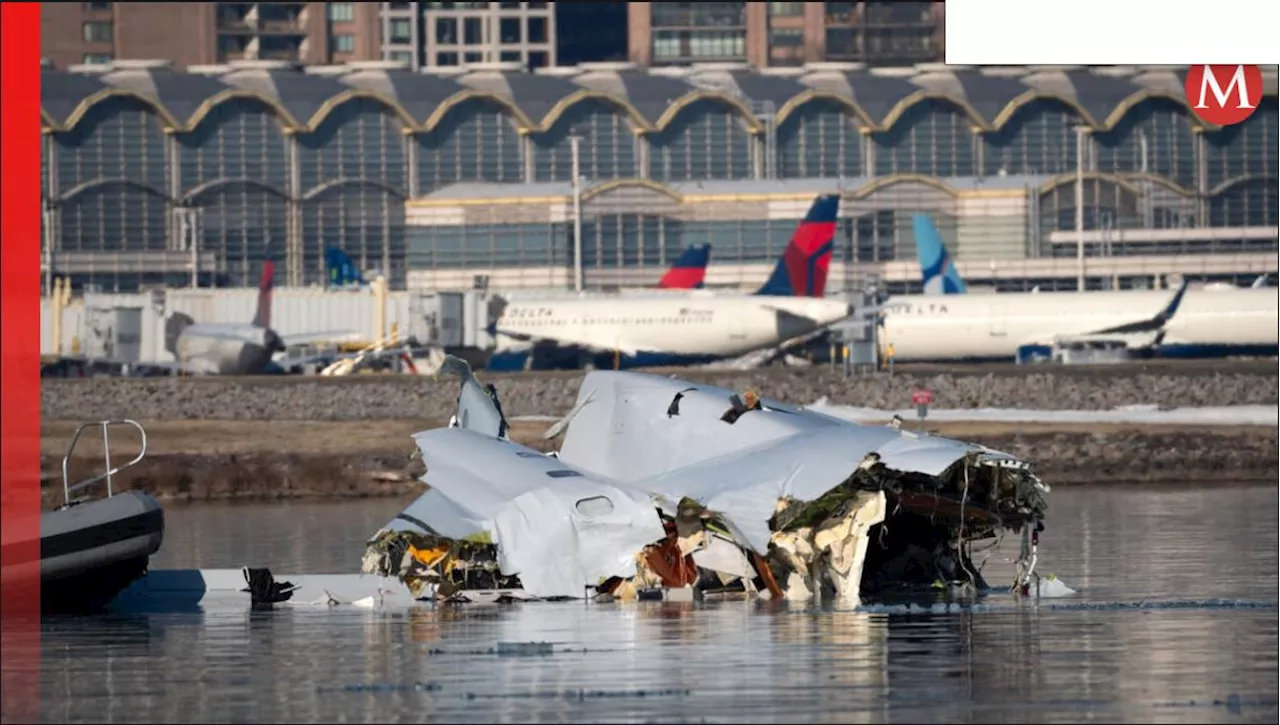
(995, 326)
(665, 329)
(227, 349)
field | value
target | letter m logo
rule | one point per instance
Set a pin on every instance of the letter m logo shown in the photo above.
(1224, 95)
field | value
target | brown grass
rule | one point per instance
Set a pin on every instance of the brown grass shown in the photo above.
(220, 459)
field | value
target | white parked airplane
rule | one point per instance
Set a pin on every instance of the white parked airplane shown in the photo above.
(234, 348)
(952, 325)
(679, 329)
(1017, 326)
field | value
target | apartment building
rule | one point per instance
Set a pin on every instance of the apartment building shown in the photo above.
(434, 34)
(196, 33)
(785, 33)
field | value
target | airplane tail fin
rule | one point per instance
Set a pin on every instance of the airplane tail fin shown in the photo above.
(478, 406)
(342, 272)
(173, 328)
(689, 271)
(937, 270)
(802, 269)
(263, 316)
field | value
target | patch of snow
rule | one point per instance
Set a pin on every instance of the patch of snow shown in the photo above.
(1221, 415)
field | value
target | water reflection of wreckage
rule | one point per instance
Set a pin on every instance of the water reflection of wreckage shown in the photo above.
(666, 488)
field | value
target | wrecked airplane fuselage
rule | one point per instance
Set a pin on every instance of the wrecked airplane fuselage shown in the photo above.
(664, 484)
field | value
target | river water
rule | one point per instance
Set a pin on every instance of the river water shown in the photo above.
(1175, 620)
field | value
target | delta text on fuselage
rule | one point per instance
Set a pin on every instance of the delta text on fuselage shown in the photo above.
(915, 308)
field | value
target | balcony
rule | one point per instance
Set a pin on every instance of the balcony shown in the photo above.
(293, 26)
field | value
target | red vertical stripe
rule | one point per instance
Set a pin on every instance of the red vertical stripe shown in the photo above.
(20, 361)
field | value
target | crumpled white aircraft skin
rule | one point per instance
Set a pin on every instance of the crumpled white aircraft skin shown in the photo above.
(635, 443)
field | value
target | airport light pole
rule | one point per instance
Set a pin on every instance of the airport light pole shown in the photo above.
(1080, 137)
(574, 142)
(47, 211)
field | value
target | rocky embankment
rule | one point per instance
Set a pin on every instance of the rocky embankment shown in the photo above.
(398, 397)
(246, 438)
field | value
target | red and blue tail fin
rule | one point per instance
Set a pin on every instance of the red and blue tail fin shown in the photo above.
(689, 271)
(263, 316)
(802, 269)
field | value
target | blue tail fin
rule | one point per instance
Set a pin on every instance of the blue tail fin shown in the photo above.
(802, 268)
(938, 271)
(342, 272)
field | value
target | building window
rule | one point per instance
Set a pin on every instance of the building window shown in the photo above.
(537, 30)
(699, 15)
(342, 12)
(786, 46)
(510, 56)
(786, 10)
(447, 31)
(97, 58)
(96, 7)
(344, 43)
(699, 44)
(472, 31)
(400, 56)
(474, 56)
(844, 44)
(841, 13)
(97, 31)
(509, 6)
(786, 37)
(446, 58)
(881, 13)
(536, 5)
(401, 31)
(231, 46)
(509, 30)
(538, 58)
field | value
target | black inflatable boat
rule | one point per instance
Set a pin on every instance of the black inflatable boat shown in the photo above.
(91, 549)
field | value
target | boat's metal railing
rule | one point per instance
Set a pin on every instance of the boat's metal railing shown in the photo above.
(68, 489)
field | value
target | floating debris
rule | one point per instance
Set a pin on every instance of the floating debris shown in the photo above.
(676, 491)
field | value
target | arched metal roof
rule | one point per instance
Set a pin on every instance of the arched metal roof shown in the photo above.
(304, 99)
(62, 93)
(876, 98)
(419, 94)
(482, 193)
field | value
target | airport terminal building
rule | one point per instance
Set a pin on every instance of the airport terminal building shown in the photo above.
(447, 178)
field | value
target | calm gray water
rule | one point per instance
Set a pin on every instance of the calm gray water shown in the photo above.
(1175, 621)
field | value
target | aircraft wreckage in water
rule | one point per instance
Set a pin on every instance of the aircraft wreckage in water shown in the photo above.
(665, 485)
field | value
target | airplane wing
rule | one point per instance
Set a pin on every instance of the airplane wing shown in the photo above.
(1133, 335)
(595, 345)
(309, 338)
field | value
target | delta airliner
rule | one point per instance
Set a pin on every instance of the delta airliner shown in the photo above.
(680, 329)
(948, 324)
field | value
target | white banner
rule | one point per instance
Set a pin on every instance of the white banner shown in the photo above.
(1112, 32)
